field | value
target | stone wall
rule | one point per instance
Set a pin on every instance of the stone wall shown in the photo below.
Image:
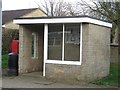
(114, 54)
(26, 62)
(95, 57)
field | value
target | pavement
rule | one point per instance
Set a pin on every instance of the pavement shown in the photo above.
(36, 80)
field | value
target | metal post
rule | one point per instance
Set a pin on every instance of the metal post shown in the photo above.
(0, 32)
(0, 43)
(45, 46)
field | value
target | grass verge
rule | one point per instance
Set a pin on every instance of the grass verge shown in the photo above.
(5, 61)
(112, 78)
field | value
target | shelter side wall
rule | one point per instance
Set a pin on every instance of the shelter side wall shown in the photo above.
(26, 62)
(98, 60)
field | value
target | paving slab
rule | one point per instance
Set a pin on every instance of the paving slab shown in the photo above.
(36, 80)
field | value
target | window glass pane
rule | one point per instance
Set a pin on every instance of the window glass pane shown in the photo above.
(34, 45)
(55, 35)
(72, 42)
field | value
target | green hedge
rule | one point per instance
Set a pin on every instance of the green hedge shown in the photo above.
(7, 36)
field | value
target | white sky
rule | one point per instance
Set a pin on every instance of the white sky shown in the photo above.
(21, 4)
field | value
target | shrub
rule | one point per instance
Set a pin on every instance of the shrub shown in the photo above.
(7, 37)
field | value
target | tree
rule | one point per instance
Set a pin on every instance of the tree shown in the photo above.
(58, 8)
(53, 7)
(108, 10)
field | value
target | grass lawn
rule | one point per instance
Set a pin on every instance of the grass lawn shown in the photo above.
(112, 79)
(5, 61)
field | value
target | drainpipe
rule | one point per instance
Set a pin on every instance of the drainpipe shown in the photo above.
(0, 37)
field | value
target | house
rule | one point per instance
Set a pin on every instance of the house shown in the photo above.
(10, 29)
(65, 47)
(8, 16)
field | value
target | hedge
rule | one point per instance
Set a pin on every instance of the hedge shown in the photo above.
(7, 36)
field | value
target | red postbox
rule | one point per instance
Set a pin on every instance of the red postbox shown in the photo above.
(15, 46)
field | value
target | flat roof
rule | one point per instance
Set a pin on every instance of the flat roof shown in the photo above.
(66, 19)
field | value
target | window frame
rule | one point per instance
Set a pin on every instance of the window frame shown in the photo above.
(62, 61)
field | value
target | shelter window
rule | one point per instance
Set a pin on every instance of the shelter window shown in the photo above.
(64, 42)
(34, 45)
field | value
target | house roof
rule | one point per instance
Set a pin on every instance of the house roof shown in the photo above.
(8, 16)
(67, 19)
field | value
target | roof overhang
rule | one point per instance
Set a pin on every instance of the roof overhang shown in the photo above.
(62, 20)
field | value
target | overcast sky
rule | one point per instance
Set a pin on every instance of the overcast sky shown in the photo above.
(22, 4)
